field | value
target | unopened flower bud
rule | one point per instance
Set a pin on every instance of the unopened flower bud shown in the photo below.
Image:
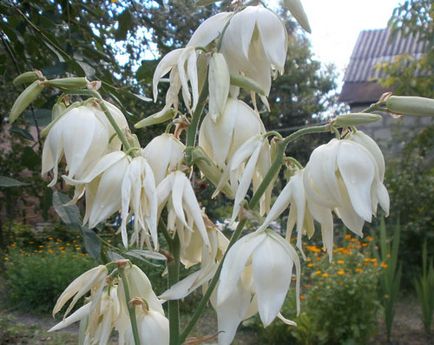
(28, 77)
(355, 119)
(410, 105)
(24, 99)
(297, 10)
(219, 83)
(68, 83)
(157, 118)
(58, 109)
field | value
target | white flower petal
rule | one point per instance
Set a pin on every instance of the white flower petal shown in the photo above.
(271, 278)
(209, 30)
(357, 170)
(233, 266)
(163, 67)
(76, 316)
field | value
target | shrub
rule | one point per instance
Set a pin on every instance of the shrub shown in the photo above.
(340, 302)
(35, 279)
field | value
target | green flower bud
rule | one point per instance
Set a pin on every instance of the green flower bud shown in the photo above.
(247, 83)
(24, 99)
(69, 83)
(409, 105)
(28, 77)
(297, 10)
(355, 119)
(157, 118)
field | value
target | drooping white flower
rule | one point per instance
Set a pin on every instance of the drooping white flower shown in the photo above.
(255, 45)
(107, 308)
(149, 311)
(177, 195)
(237, 124)
(82, 135)
(119, 182)
(249, 163)
(293, 194)
(164, 154)
(346, 177)
(197, 252)
(182, 64)
(256, 276)
(93, 279)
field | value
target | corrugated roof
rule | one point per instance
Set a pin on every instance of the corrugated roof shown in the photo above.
(372, 48)
(377, 46)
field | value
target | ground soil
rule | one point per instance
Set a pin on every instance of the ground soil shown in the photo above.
(24, 328)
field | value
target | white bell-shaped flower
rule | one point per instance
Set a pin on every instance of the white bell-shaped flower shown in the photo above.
(119, 182)
(250, 163)
(164, 154)
(255, 45)
(293, 194)
(184, 214)
(255, 276)
(345, 177)
(182, 63)
(82, 135)
(237, 124)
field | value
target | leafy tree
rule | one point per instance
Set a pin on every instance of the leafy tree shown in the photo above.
(411, 75)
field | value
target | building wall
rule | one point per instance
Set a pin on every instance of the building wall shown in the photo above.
(392, 133)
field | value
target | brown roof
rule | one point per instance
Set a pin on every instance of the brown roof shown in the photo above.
(374, 47)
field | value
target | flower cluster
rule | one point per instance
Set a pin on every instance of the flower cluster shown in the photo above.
(107, 308)
(151, 187)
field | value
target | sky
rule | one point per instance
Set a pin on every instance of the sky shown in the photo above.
(336, 25)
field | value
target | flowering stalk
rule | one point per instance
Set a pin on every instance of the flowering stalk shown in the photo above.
(197, 115)
(173, 277)
(131, 307)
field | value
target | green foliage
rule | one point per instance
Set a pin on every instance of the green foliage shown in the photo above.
(390, 277)
(339, 305)
(35, 279)
(424, 286)
(410, 182)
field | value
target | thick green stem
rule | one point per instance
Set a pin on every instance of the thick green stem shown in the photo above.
(195, 120)
(173, 277)
(131, 307)
(121, 135)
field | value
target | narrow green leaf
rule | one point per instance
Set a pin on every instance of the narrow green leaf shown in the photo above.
(91, 242)
(7, 182)
(70, 214)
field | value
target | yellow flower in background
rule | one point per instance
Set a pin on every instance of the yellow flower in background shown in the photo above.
(340, 272)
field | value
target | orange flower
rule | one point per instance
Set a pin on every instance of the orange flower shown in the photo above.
(325, 275)
(340, 272)
(358, 270)
(310, 265)
(313, 249)
(340, 262)
(317, 273)
(384, 265)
